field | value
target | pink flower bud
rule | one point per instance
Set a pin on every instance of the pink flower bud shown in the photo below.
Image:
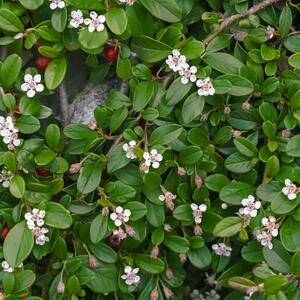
(60, 287)
(270, 32)
(198, 181)
(227, 110)
(168, 293)
(169, 204)
(93, 125)
(105, 211)
(144, 168)
(198, 230)
(169, 273)
(154, 252)
(167, 227)
(183, 257)
(204, 117)
(236, 133)
(11, 147)
(154, 294)
(181, 171)
(75, 168)
(93, 261)
(129, 230)
(285, 133)
(246, 105)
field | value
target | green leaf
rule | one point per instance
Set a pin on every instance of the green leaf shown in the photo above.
(240, 85)
(138, 210)
(235, 192)
(117, 118)
(31, 5)
(9, 21)
(116, 20)
(55, 73)
(52, 135)
(155, 214)
(18, 244)
(252, 252)
(28, 124)
(150, 50)
(228, 227)
(17, 186)
(176, 243)
(10, 70)
(183, 213)
(44, 157)
(166, 10)
(223, 62)
(190, 155)
(89, 178)
(192, 107)
(200, 257)
(177, 91)
(282, 205)
(246, 147)
(290, 234)
(59, 19)
(294, 60)
(142, 95)
(104, 253)
(148, 264)
(23, 281)
(285, 21)
(92, 40)
(293, 146)
(238, 163)
(216, 182)
(98, 228)
(295, 263)
(119, 192)
(57, 216)
(117, 159)
(193, 49)
(165, 134)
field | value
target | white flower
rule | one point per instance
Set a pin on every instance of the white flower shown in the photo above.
(57, 4)
(76, 18)
(130, 276)
(205, 87)
(264, 238)
(290, 189)
(7, 268)
(153, 158)
(221, 249)
(40, 235)
(32, 84)
(270, 225)
(5, 177)
(212, 295)
(197, 211)
(250, 207)
(270, 31)
(9, 132)
(35, 218)
(95, 22)
(120, 216)
(128, 2)
(176, 62)
(128, 149)
(188, 74)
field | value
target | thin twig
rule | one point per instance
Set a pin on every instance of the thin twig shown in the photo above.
(63, 104)
(231, 19)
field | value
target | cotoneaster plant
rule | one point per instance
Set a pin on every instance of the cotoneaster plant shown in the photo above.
(185, 188)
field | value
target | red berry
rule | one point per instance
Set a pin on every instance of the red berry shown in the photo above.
(4, 232)
(111, 53)
(41, 171)
(41, 62)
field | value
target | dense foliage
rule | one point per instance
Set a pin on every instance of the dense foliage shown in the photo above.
(187, 187)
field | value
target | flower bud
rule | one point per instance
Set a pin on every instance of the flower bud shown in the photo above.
(227, 110)
(144, 168)
(105, 211)
(183, 257)
(93, 261)
(168, 293)
(154, 294)
(167, 227)
(204, 117)
(169, 273)
(246, 105)
(60, 287)
(197, 230)
(129, 230)
(170, 204)
(270, 32)
(198, 181)
(19, 35)
(236, 133)
(285, 133)
(181, 171)
(93, 125)
(75, 168)
(224, 205)
(154, 252)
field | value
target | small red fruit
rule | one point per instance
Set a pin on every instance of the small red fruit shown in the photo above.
(111, 53)
(4, 232)
(41, 62)
(41, 171)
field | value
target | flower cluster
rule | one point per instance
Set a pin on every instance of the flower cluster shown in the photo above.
(5, 177)
(211, 295)
(35, 222)
(131, 276)
(250, 207)
(94, 23)
(120, 217)
(152, 159)
(178, 63)
(127, 2)
(57, 4)
(168, 197)
(7, 268)
(269, 231)
(221, 249)
(198, 210)
(9, 132)
(290, 189)
(129, 149)
(32, 85)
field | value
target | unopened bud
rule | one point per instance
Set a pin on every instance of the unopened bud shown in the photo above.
(285, 133)
(169, 273)
(105, 211)
(270, 32)
(93, 261)
(204, 117)
(154, 252)
(236, 133)
(75, 168)
(60, 287)
(93, 125)
(198, 230)
(183, 257)
(181, 171)
(170, 204)
(198, 181)
(168, 293)
(224, 205)
(19, 36)
(167, 227)
(144, 168)
(227, 110)
(154, 294)
(129, 230)
(246, 105)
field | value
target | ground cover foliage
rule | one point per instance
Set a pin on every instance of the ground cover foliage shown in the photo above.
(187, 187)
